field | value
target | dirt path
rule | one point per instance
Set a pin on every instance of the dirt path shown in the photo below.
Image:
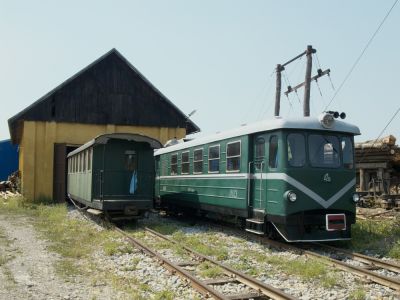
(27, 267)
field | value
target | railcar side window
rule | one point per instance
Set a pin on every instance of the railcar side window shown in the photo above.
(273, 152)
(233, 157)
(174, 164)
(296, 149)
(185, 163)
(347, 150)
(213, 159)
(198, 161)
(324, 151)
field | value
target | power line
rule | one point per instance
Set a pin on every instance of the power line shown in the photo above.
(362, 53)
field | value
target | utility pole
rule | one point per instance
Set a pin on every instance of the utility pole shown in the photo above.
(279, 69)
(307, 82)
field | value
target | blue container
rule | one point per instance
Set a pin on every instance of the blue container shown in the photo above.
(8, 159)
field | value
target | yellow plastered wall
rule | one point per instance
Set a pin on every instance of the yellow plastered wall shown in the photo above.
(36, 154)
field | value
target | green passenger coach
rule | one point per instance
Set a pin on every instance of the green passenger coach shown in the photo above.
(294, 177)
(114, 173)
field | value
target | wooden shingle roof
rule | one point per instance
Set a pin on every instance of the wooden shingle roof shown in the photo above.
(108, 91)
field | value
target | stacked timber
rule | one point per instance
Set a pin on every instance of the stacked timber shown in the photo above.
(383, 150)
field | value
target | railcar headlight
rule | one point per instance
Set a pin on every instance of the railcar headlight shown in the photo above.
(356, 197)
(291, 196)
(326, 120)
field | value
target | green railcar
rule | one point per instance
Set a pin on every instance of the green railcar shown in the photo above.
(295, 177)
(114, 173)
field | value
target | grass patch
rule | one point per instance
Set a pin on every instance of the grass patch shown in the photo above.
(357, 294)
(201, 245)
(165, 228)
(67, 268)
(380, 236)
(164, 295)
(209, 270)
(246, 268)
(114, 247)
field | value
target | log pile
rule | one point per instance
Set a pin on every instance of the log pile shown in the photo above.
(378, 172)
(383, 150)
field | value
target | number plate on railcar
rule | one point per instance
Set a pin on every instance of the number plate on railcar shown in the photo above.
(335, 222)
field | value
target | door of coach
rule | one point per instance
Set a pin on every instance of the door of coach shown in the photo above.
(257, 172)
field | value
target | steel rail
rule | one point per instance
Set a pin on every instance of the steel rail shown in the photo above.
(365, 259)
(256, 284)
(377, 278)
(195, 283)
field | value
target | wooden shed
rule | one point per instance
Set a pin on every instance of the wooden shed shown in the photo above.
(108, 96)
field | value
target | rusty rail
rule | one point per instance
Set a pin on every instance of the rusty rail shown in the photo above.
(377, 278)
(195, 283)
(256, 284)
(364, 258)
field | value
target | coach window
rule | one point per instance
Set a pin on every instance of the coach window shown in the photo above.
(273, 152)
(185, 162)
(296, 149)
(233, 156)
(130, 160)
(213, 159)
(84, 160)
(198, 161)
(347, 150)
(174, 164)
(90, 159)
(164, 168)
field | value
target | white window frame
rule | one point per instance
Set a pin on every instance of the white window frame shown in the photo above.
(188, 162)
(227, 157)
(170, 170)
(219, 158)
(195, 161)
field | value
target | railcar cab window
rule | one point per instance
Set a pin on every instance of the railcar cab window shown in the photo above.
(174, 164)
(324, 151)
(347, 150)
(185, 162)
(213, 159)
(233, 156)
(198, 161)
(296, 149)
(273, 152)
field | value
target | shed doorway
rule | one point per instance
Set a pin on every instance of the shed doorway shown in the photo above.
(60, 171)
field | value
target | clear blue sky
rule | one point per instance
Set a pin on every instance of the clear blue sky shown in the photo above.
(213, 56)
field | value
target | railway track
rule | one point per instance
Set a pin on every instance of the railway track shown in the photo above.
(371, 262)
(363, 272)
(259, 289)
